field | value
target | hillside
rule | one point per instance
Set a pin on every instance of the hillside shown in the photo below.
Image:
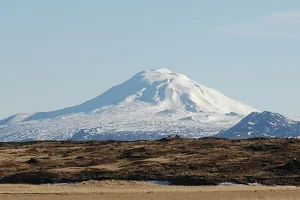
(264, 124)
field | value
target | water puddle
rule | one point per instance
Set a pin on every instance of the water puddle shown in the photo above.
(231, 184)
(58, 184)
(160, 182)
(238, 184)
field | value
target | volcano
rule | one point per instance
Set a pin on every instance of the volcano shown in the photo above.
(152, 104)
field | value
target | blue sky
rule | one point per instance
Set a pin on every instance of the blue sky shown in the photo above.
(55, 54)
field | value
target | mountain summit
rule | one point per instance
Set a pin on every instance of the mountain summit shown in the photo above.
(149, 98)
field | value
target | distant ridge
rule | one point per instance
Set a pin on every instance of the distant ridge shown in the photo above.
(265, 124)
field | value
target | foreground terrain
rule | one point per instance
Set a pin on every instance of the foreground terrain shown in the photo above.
(116, 190)
(206, 161)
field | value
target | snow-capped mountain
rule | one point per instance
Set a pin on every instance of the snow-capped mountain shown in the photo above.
(265, 124)
(157, 102)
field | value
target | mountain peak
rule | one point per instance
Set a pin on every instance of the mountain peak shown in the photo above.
(155, 70)
(265, 115)
(161, 89)
(158, 75)
(160, 70)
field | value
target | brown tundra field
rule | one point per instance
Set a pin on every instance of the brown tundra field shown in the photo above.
(195, 168)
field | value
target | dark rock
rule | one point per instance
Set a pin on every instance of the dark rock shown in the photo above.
(38, 177)
(33, 161)
(292, 165)
(193, 181)
(80, 158)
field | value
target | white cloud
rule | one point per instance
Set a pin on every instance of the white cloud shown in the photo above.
(284, 24)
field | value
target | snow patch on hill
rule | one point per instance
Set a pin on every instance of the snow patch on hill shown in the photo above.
(265, 124)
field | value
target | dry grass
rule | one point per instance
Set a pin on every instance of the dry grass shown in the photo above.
(267, 161)
(115, 190)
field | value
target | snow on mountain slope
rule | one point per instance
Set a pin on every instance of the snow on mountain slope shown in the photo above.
(154, 100)
(265, 124)
(15, 118)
